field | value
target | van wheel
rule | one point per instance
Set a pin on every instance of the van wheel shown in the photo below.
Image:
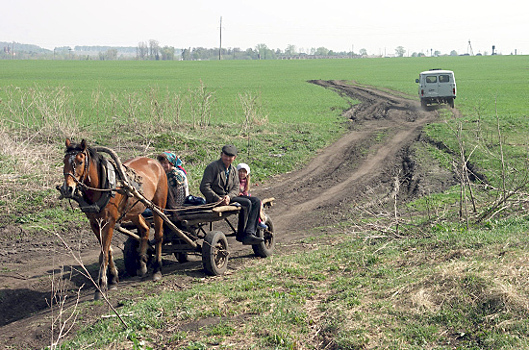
(451, 102)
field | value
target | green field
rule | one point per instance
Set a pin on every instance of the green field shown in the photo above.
(94, 99)
(282, 83)
(452, 282)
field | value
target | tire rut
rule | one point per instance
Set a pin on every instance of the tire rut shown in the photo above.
(383, 125)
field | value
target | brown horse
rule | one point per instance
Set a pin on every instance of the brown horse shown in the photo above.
(85, 170)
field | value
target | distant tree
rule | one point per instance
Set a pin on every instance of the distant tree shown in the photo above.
(399, 51)
(261, 50)
(168, 53)
(251, 54)
(154, 49)
(198, 53)
(111, 54)
(185, 54)
(142, 51)
(236, 53)
(453, 53)
(322, 51)
(437, 53)
(291, 50)
(362, 52)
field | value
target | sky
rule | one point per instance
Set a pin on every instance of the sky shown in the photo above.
(378, 26)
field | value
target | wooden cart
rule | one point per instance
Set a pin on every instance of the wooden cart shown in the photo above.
(189, 231)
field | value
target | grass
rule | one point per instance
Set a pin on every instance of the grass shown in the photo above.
(462, 291)
(443, 285)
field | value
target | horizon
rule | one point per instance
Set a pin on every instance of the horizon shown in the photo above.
(305, 51)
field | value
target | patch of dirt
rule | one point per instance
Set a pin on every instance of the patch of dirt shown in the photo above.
(383, 130)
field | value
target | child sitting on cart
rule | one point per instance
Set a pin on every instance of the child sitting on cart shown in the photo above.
(243, 170)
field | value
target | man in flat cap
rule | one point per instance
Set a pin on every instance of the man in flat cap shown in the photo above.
(220, 183)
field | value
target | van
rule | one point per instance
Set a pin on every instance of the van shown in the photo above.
(437, 86)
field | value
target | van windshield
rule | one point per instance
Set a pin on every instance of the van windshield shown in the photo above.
(430, 79)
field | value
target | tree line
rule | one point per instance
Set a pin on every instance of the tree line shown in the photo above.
(152, 50)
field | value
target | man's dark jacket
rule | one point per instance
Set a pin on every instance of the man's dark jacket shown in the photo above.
(214, 185)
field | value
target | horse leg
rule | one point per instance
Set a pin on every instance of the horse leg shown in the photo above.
(143, 230)
(100, 232)
(113, 275)
(104, 235)
(158, 235)
(103, 266)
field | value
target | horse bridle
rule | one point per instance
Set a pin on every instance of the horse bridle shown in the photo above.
(72, 155)
(82, 187)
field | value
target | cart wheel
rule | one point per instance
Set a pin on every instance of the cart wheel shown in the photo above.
(181, 257)
(215, 253)
(265, 248)
(131, 256)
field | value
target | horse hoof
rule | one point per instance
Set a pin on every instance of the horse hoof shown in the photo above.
(113, 286)
(157, 276)
(142, 271)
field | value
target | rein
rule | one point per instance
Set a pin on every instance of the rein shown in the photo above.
(95, 189)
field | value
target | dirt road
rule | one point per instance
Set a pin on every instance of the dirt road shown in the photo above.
(365, 160)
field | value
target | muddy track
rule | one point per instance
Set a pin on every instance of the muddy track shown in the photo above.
(383, 126)
(366, 158)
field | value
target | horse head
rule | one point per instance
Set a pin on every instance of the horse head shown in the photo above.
(76, 163)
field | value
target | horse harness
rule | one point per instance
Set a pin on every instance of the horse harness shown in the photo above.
(108, 188)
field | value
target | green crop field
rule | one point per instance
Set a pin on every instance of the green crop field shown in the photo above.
(102, 100)
(283, 86)
(451, 281)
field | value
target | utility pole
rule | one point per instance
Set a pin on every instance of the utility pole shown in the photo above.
(220, 42)
(469, 49)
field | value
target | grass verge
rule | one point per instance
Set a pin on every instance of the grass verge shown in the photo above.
(343, 289)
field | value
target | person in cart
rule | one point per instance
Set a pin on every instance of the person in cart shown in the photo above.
(220, 183)
(176, 179)
(178, 189)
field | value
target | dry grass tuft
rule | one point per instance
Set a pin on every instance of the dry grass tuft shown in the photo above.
(23, 159)
(484, 285)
